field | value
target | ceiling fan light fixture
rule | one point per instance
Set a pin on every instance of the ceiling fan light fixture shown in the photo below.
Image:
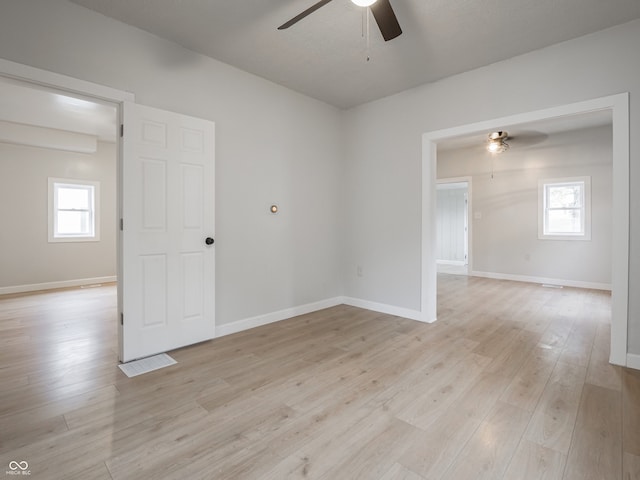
(497, 143)
(363, 3)
(381, 10)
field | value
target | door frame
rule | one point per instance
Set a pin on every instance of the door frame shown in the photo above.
(117, 97)
(618, 104)
(468, 208)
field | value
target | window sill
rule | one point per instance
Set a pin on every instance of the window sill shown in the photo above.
(73, 239)
(571, 238)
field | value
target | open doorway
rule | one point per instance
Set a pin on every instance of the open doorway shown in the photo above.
(618, 106)
(58, 154)
(165, 185)
(509, 241)
(76, 91)
(452, 206)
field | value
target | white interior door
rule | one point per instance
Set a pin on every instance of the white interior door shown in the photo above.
(466, 227)
(167, 267)
(452, 223)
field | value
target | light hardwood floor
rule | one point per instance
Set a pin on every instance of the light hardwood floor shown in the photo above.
(512, 382)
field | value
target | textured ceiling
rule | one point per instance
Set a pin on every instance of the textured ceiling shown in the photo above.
(324, 55)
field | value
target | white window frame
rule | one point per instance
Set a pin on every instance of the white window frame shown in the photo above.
(585, 209)
(94, 211)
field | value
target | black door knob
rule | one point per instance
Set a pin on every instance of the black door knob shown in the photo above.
(209, 241)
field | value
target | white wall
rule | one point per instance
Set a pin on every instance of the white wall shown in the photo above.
(505, 237)
(26, 256)
(385, 151)
(273, 145)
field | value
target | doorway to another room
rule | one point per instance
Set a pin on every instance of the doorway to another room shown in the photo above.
(616, 108)
(452, 206)
(162, 185)
(58, 164)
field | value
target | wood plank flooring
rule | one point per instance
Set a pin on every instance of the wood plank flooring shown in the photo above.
(512, 382)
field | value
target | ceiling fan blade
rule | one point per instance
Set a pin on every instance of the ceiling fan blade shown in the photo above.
(308, 11)
(386, 19)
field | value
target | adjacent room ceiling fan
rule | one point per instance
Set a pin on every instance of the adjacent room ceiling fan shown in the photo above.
(381, 10)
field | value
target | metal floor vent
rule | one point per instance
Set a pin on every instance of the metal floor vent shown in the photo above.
(144, 365)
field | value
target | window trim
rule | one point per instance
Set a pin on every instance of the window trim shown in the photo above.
(55, 183)
(586, 209)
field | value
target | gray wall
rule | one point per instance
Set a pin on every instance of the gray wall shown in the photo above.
(383, 171)
(26, 256)
(505, 237)
(273, 145)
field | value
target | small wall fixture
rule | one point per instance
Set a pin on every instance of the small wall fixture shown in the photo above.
(497, 142)
(273, 209)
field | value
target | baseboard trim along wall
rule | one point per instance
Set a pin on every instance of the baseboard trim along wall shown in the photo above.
(543, 280)
(633, 361)
(459, 263)
(35, 287)
(383, 308)
(258, 321)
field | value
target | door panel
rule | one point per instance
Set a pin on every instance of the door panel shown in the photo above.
(168, 272)
(193, 283)
(451, 209)
(153, 185)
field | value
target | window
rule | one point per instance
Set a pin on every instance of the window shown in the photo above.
(565, 209)
(74, 213)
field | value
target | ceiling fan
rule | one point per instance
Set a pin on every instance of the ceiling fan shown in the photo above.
(381, 10)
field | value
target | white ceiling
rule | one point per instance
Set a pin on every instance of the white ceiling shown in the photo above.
(530, 134)
(324, 55)
(29, 104)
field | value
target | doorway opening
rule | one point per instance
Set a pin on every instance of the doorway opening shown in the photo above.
(91, 93)
(452, 206)
(618, 106)
(165, 179)
(60, 156)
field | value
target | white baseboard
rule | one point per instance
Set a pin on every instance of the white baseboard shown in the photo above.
(384, 308)
(459, 263)
(258, 321)
(633, 361)
(52, 285)
(542, 280)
